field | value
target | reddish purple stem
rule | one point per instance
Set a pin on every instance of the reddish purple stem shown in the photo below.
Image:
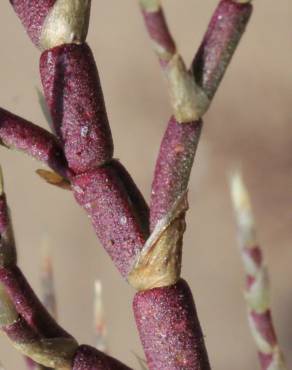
(173, 167)
(224, 32)
(75, 99)
(178, 147)
(32, 14)
(85, 357)
(158, 31)
(21, 332)
(101, 185)
(34, 322)
(264, 325)
(114, 205)
(169, 328)
(25, 136)
(4, 216)
(7, 243)
(89, 358)
(28, 305)
(265, 360)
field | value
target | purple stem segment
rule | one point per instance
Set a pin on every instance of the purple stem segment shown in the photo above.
(30, 326)
(101, 185)
(219, 44)
(117, 211)
(173, 166)
(28, 305)
(169, 328)
(173, 169)
(32, 15)
(262, 321)
(75, 99)
(159, 33)
(20, 332)
(89, 358)
(7, 243)
(23, 135)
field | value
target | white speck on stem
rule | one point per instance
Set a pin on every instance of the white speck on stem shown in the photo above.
(84, 131)
(78, 189)
(123, 220)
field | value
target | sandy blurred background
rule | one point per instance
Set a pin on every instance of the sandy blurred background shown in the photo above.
(249, 123)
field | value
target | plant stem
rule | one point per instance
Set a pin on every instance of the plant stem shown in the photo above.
(100, 184)
(169, 328)
(75, 99)
(88, 358)
(54, 22)
(28, 324)
(173, 167)
(157, 310)
(105, 190)
(178, 147)
(114, 212)
(257, 290)
(32, 15)
(74, 95)
(224, 32)
(187, 100)
(17, 133)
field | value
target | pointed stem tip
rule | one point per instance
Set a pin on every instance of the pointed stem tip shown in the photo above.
(239, 194)
(150, 5)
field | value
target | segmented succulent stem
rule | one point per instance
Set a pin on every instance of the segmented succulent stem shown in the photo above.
(257, 287)
(30, 327)
(81, 156)
(186, 97)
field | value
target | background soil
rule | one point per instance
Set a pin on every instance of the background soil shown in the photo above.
(249, 123)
